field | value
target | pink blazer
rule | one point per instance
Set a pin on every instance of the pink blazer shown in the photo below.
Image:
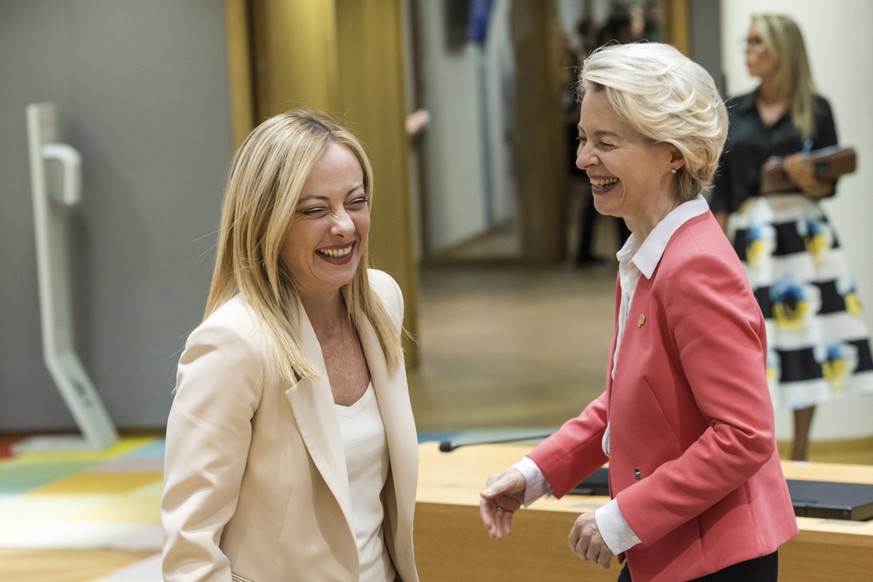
(693, 460)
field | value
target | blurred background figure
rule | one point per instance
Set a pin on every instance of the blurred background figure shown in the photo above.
(816, 331)
(623, 25)
(652, 18)
(416, 122)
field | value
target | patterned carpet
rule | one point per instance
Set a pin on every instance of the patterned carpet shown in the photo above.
(109, 500)
(86, 500)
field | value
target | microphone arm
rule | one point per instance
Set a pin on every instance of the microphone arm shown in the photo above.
(450, 445)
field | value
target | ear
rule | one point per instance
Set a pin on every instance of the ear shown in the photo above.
(676, 159)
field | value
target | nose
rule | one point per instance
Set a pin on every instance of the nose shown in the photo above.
(585, 156)
(342, 223)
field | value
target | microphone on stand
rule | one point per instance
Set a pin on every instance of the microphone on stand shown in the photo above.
(449, 445)
(595, 484)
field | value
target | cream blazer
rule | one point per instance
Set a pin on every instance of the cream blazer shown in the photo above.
(255, 479)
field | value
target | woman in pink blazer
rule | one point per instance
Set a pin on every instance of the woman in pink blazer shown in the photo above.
(291, 451)
(686, 422)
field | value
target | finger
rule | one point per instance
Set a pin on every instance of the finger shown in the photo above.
(501, 522)
(573, 538)
(581, 548)
(579, 541)
(488, 519)
(485, 513)
(495, 532)
(504, 519)
(593, 552)
(605, 558)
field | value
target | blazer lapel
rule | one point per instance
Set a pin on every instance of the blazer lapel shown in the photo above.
(392, 396)
(311, 400)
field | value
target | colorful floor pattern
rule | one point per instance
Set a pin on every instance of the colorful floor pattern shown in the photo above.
(86, 500)
(109, 500)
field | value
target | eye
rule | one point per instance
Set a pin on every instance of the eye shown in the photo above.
(605, 145)
(357, 202)
(314, 212)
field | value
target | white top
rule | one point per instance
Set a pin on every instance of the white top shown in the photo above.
(634, 259)
(363, 435)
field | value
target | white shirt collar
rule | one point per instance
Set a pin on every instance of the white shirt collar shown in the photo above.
(646, 254)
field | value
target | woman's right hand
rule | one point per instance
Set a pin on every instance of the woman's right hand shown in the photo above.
(801, 171)
(502, 496)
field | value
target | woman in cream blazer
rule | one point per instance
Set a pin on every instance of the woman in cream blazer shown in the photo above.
(256, 480)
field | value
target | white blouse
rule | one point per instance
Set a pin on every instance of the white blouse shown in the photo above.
(363, 435)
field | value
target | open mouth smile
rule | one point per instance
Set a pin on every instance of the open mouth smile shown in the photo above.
(336, 253)
(602, 182)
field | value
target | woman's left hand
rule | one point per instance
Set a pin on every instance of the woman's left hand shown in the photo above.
(586, 541)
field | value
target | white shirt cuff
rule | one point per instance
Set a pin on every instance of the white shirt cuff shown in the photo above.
(614, 530)
(535, 482)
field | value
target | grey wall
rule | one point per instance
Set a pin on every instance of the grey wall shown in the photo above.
(706, 38)
(141, 91)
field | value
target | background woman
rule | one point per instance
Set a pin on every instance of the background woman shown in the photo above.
(697, 486)
(291, 451)
(816, 330)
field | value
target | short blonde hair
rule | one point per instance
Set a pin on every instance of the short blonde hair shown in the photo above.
(267, 176)
(666, 97)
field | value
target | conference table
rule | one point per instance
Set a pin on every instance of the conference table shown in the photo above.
(451, 543)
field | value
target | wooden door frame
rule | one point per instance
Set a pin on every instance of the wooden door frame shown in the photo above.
(239, 69)
(372, 109)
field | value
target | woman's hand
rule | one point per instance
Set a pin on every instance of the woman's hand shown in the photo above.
(502, 496)
(586, 541)
(802, 172)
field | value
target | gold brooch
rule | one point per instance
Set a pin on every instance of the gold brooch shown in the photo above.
(641, 320)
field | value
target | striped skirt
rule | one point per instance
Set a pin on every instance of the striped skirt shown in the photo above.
(817, 335)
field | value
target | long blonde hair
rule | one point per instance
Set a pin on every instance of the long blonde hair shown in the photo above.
(266, 178)
(791, 73)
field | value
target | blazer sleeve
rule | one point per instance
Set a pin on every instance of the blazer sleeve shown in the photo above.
(575, 451)
(716, 331)
(218, 388)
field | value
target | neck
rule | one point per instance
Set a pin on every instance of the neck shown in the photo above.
(650, 219)
(326, 313)
(768, 92)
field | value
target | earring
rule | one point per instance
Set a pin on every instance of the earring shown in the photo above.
(673, 171)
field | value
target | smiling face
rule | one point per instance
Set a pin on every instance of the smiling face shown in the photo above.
(328, 233)
(630, 176)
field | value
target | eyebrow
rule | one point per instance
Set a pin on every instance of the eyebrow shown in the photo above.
(601, 132)
(351, 190)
